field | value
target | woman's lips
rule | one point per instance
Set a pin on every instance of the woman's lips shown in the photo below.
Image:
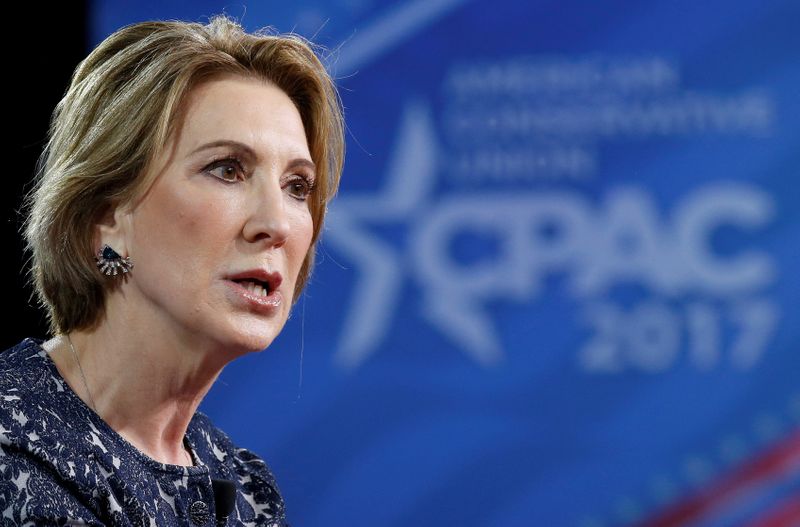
(266, 304)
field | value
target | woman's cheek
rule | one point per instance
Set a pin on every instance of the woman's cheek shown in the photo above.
(303, 229)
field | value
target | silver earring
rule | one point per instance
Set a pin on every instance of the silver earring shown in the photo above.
(110, 262)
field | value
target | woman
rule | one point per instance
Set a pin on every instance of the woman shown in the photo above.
(172, 226)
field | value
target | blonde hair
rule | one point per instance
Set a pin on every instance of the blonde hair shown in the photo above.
(122, 105)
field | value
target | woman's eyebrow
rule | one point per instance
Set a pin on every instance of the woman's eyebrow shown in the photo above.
(226, 142)
(303, 162)
(249, 152)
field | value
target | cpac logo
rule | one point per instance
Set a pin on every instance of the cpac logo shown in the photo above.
(621, 238)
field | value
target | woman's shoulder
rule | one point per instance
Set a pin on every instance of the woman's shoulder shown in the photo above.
(19, 362)
(41, 443)
(28, 380)
(25, 381)
(35, 410)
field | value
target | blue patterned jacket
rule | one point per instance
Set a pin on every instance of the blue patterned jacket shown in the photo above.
(61, 464)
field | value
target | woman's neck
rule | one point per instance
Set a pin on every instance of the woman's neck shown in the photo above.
(145, 387)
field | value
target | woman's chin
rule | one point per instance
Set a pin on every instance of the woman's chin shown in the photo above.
(253, 341)
(250, 333)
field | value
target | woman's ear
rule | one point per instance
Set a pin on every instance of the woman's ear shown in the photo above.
(113, 229)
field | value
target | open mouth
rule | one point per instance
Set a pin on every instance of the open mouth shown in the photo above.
(258, 283)
(256, 287)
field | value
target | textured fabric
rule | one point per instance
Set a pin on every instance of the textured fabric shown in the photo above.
(61, 464)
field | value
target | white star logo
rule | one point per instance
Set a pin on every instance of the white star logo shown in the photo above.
(382, 268)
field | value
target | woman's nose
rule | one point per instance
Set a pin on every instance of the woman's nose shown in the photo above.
(268, 219)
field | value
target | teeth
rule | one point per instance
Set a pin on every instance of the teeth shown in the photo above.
(255, 288)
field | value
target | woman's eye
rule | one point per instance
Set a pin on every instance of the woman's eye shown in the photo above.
(300, 187)
(225, 169)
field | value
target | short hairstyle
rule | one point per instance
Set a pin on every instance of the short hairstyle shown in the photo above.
(122, 106)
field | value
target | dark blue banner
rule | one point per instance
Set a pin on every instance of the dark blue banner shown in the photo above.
(559, 285)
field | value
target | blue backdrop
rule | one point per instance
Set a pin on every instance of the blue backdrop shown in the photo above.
(560, 283)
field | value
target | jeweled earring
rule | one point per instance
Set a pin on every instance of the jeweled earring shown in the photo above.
(110, 262)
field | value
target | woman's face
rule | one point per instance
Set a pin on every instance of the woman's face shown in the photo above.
(229, 203)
